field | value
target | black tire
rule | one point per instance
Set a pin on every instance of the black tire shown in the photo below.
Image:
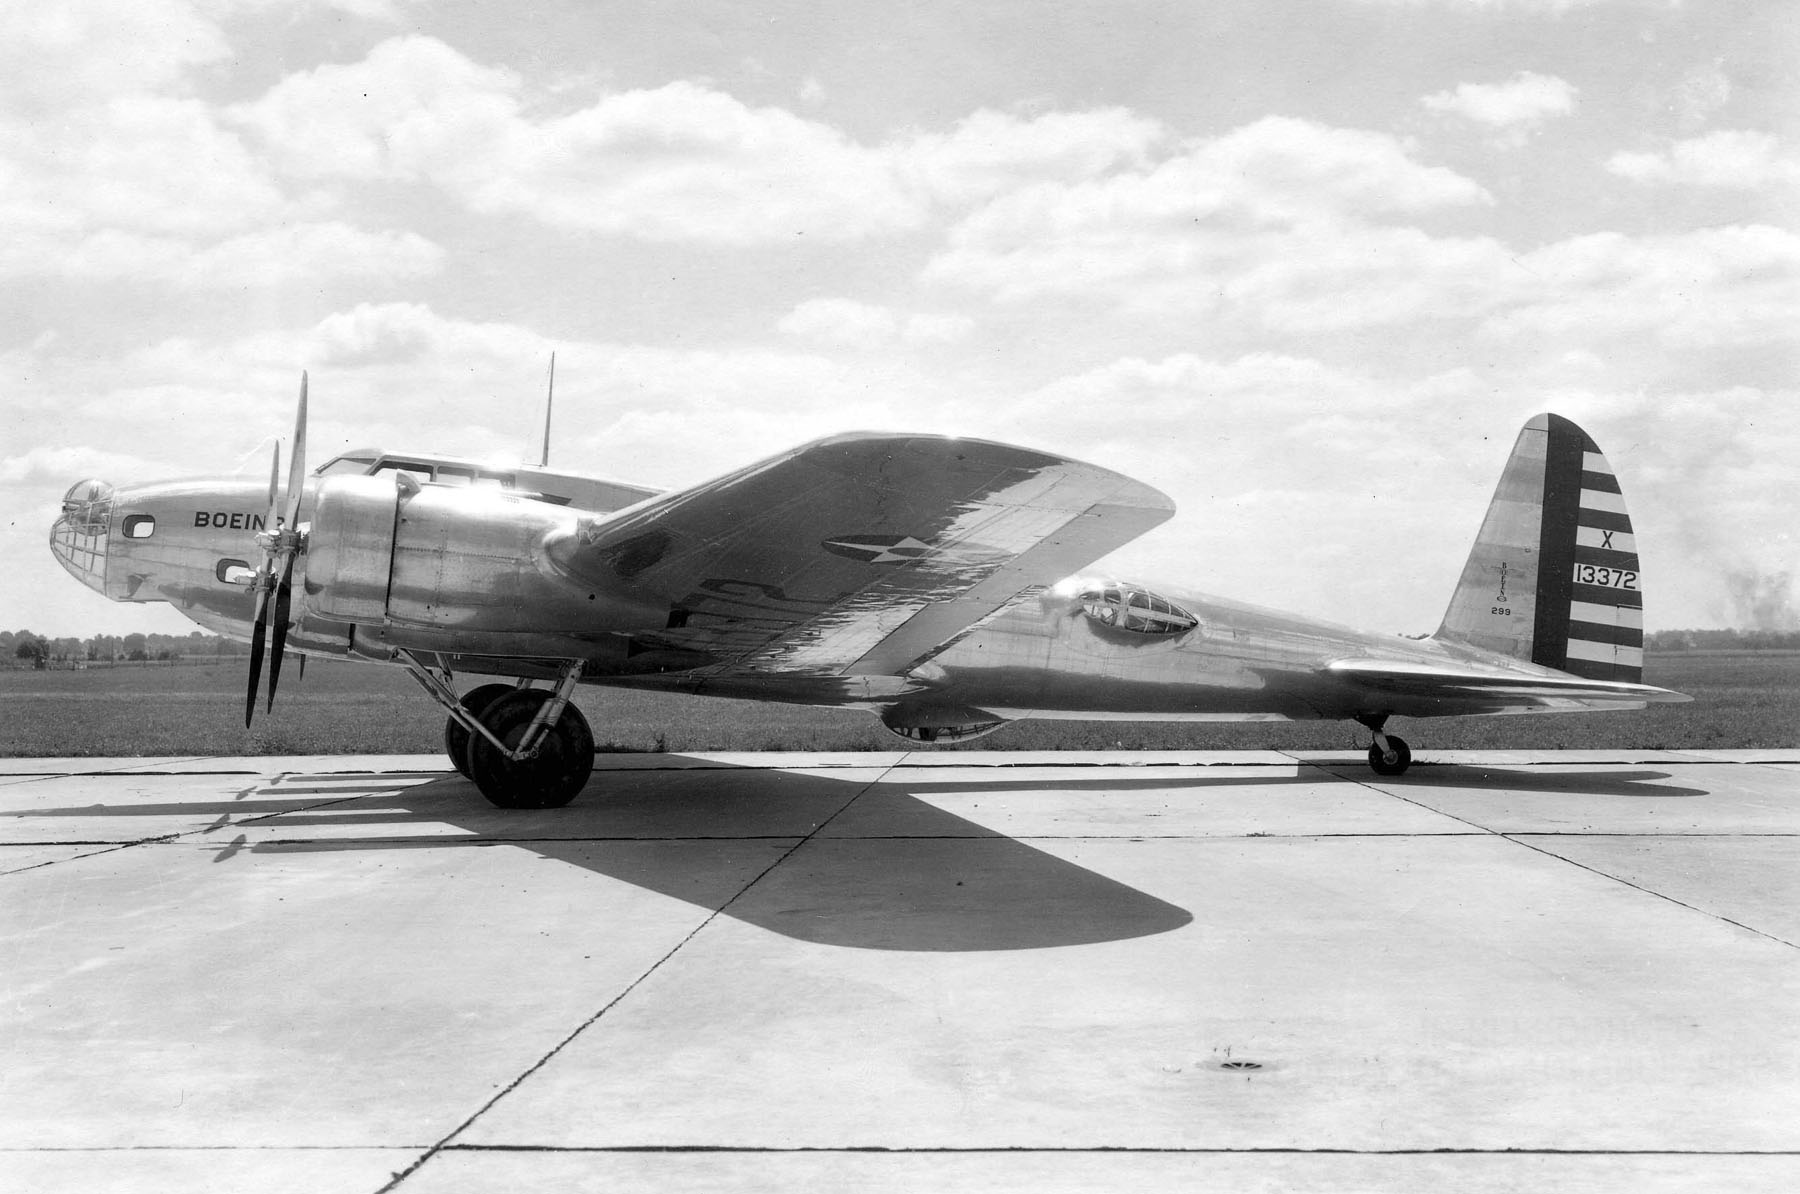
(553, 776)
(456, 739)
(1402, 757)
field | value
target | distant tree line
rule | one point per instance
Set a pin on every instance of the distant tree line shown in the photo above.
(1722, 640)
(22, 648)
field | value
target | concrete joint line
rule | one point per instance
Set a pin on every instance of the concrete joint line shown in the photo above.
(115, 847)
(541, 1062)
(1515, 840)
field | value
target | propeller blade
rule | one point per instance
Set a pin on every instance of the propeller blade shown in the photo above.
(284, 594)
(281, 548)
(296, 486)
(256, 643)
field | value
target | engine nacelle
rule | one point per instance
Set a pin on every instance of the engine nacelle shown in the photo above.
(939, 723)
(350, 549)
(438, 557)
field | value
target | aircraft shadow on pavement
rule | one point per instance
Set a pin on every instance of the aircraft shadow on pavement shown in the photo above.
(1533, 779)
(889, 871)
(906, 876)
(933, 881)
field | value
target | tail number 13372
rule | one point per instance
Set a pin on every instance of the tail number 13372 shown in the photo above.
(1606, 578)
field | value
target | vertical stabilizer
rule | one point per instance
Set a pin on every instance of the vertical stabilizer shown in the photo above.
(1553, 577)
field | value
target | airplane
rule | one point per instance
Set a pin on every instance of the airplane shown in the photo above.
(935, 582)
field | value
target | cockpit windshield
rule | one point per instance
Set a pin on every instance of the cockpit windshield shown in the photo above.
(350, 463)
(87, 507)
(424, 470)
(79, 536)
(1123, 607)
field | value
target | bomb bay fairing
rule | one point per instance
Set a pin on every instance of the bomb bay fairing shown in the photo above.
(935, 582)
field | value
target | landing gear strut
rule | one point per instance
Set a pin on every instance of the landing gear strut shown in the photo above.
(523, 747)
(456, 738)
(548, 777)
(1389, 754)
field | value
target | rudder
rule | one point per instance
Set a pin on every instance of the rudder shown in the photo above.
(1553, 577)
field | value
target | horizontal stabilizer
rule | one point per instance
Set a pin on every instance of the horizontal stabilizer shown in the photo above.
(1451, 688)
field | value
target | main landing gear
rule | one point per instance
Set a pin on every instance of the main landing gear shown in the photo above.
(1389, 754)
(523, 747)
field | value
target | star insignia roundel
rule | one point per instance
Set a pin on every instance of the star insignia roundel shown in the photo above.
(878, 549)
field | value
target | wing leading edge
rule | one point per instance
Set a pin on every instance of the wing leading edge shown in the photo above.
(859, 554)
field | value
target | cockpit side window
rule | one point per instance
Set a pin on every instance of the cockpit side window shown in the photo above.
(350, 463)
(417, 471)
(1136, 610)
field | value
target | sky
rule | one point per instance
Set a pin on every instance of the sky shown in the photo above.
(1307, 266)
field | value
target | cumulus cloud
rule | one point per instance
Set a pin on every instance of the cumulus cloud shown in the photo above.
(80, 52)
(143, 163)
(404, 374)
(135, 180)
(62, 464)
(1268, 216)
(682, 161)
(403, 112)
(275, 256)
(1727, 158)
(150, 188)
(1707, 288)
(989, 152)
(1297, 228)
(1515, 109)
(1701, 92)
(861, 325)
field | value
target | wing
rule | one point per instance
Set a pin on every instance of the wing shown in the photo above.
(1448, 688)
(859, 554)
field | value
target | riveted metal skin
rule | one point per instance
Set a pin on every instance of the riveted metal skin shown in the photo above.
(915, 576)
(350, 556)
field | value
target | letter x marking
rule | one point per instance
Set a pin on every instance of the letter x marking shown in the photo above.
(1606, 540)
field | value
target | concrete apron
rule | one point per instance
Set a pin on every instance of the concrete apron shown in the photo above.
(951, 971)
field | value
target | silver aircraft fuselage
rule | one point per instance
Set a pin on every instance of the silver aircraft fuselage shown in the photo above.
(482, 582)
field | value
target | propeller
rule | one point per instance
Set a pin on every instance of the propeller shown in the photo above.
(282, 542)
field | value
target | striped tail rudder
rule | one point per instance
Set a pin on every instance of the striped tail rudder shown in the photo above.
(1554, 575)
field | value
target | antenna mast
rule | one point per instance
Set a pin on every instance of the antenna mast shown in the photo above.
(549, 405)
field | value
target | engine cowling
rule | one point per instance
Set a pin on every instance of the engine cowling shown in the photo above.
(350, 549)
(939, 723)
(390, 552)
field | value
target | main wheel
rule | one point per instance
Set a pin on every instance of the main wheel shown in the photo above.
(456, 739)
(550, 778)
(1402, 757)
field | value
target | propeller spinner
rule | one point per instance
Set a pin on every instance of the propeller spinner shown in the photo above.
(282, 543)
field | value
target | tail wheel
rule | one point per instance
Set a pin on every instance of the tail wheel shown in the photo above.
(549, 779)
(456, 739)
(1393, 761)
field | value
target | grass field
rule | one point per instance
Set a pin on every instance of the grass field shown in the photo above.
(1744, 700)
